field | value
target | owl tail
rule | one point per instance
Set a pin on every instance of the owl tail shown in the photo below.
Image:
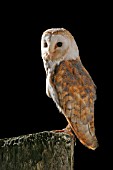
(90, 143)
(84, 135)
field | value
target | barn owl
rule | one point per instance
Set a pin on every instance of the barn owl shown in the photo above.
(69, 84)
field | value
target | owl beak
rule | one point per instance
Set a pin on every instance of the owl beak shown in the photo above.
(50, 55)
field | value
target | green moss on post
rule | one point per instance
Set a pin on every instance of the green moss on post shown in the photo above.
(39, 151)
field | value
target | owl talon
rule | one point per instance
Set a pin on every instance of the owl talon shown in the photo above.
(68, 131)
(65, 130)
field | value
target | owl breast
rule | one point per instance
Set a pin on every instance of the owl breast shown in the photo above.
(51, 90)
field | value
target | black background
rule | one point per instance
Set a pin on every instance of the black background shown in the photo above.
(25, 108)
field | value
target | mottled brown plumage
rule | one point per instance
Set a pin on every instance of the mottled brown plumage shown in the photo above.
(69, 85)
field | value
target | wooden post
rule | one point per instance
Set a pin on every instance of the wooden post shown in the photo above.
(38, 151)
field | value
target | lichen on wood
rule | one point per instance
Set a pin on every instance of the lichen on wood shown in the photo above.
(38, 151)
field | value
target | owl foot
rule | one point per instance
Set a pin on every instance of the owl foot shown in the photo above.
(66, 130)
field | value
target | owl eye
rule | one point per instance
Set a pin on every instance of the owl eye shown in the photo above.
(59, 44)
(45, 44)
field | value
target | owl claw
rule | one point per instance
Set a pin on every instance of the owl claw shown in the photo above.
(66, 130)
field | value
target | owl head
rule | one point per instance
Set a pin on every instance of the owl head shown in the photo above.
(57, 44)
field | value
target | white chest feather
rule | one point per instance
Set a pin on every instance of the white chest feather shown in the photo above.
(50, 89)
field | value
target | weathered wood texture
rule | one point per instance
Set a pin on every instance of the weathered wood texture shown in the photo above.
(39, 151)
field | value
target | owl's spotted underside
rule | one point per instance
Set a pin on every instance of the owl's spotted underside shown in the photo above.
(69, 84)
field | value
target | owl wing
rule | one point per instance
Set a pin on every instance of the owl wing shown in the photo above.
(76, 93)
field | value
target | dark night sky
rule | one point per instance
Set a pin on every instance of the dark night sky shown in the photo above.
(25, 108)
